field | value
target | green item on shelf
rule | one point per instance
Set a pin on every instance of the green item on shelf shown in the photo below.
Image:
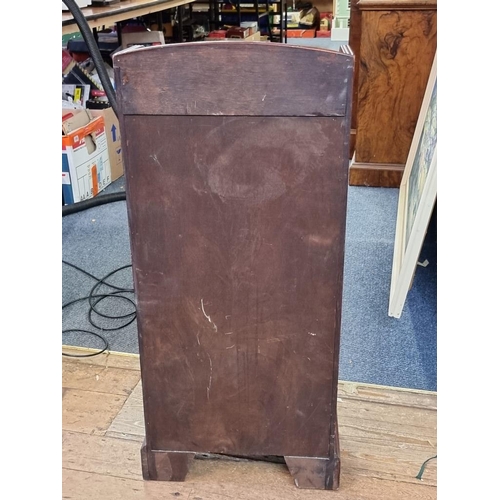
(71, 36)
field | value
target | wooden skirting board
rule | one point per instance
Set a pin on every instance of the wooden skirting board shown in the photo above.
(386, 434)
(352, 143)
(375, 174)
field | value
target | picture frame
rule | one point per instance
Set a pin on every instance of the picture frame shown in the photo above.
(417, 197)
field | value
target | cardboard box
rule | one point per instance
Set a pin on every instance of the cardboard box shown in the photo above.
(252, 38)
(77, 94)
(237, 32)
(217, 35)
(253, 26)
(256, 37)
(292, 19)
(67, 62)
(145, 38)
(85, 161)
(113, 139)
(324, 24)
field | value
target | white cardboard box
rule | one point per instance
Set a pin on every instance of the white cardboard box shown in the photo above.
(85, 162)
(146, 38)
(114, 140)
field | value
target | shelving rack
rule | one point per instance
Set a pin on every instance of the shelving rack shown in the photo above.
(264, 12)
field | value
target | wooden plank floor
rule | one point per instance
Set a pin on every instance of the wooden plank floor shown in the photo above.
(385, 436)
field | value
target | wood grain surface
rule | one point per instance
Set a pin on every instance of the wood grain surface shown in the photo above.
(375, 174)
(397, 5)
(236, 198)
(376, 465)
(396, 54)
(252, 481)
(110, 380)
(216, 79)
(355, 45)
(239, 284)
(89, 411)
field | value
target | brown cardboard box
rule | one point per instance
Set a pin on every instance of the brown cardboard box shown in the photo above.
(252, 38)
(237, 32)
(114, 140)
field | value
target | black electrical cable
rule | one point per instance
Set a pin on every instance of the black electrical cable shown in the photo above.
(98, 200)
(422, 469)
(110, 94)
(114, 295)
(92, 309)
(95, 277)
(94, 298)
(94, 52)
(101, 199)
(105, 348)
(101, 296)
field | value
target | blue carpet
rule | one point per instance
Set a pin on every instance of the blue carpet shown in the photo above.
(375, 348)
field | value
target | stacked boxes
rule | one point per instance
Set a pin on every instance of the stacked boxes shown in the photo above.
(85, 161)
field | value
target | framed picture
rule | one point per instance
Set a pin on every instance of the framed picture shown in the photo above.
(417, 197)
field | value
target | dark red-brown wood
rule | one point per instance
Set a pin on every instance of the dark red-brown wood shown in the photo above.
(237, 222)
(233, 79)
